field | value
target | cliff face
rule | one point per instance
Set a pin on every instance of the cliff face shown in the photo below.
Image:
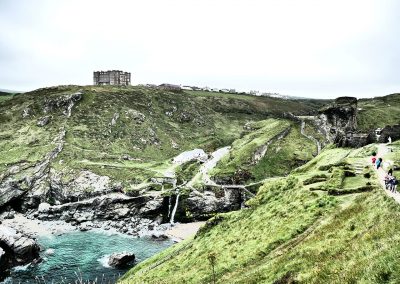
(339, 122)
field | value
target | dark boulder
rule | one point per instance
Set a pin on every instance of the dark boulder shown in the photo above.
(121, 259)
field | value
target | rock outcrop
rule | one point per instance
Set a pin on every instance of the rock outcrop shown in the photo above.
(339, 117)
(131, 215)
(392, 131)
(202, 205)
(338, 121)
(65, 103)
(43, 121)
(16, 249)
(121, 259)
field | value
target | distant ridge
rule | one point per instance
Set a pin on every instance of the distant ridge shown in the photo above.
(9, 91)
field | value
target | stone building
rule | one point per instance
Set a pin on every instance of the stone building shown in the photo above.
(113, 77)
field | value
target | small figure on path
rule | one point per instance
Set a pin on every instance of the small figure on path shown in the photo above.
(378, 163)
(389, 140)
(388, 179)
(373, 157)
(392, 184)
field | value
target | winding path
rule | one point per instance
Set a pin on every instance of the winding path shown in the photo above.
(383, 150)
(303, 124)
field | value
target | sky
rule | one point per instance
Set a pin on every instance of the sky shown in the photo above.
(307, 48)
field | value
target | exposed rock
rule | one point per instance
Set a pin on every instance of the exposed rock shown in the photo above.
(339, 117)
(153, 137)
(26, 112)
(138, 117)
(65, 103)
(29, 182)
(126, 157)
(152, 206)
(14, 170)
(262, 150)
(203, 204)
(159, 236)
(10, 214)
(174, 145)
(43, 207)
(18, 249)
(122, 212)
(114, 119)
(338, 121)
(392, 131)
(4, 262)
(86, 184)
(121, 259)
(185, 117)
(9, 191)
(43, 121)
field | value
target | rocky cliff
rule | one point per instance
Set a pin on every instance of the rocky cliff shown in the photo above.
(338, 120)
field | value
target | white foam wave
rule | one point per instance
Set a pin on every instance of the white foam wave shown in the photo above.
(21, 267)
(104, 260)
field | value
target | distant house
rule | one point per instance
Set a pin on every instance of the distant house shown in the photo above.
(151, 86)
(187, 88)
(224, 91)
(170, 87)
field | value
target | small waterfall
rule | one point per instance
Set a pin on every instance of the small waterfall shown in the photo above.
(169, 206)
(174, 210)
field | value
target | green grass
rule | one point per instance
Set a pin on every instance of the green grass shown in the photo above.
(290, 233)
(281, 156)
(172, 123)
(378, 112)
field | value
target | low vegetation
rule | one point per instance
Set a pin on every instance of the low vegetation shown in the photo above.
(272, 148)
(128, 133)
(378, 112)
(291, 233)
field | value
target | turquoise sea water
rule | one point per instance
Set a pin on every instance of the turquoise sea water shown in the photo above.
(84, 254)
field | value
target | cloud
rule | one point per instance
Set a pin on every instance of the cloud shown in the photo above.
(306, 48)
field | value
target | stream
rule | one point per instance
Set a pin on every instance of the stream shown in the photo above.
(83, 255)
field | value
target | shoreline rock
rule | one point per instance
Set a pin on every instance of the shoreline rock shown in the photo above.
(121, 259)
(17, 249)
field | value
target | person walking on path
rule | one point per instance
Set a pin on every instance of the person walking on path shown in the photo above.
(378, 163)
(382, 151)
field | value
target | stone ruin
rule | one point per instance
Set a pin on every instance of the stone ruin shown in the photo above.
(113, 77)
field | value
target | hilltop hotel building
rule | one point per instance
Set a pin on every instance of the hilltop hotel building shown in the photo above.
(113, 77)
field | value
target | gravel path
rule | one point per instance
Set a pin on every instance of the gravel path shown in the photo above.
(382, 151)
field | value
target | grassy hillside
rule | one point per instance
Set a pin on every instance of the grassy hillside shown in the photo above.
(148, 126)
(4, 96)
(378, 112)
(281, 143)
(328, 222)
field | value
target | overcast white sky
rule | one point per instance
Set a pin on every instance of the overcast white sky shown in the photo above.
(311, 48)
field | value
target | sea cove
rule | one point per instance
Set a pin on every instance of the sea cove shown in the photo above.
(83, 255)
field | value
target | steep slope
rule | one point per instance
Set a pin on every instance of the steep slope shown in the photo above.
(328, 222)
(71, 147)
(378, 112)
(125, 131)
(271, 148)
